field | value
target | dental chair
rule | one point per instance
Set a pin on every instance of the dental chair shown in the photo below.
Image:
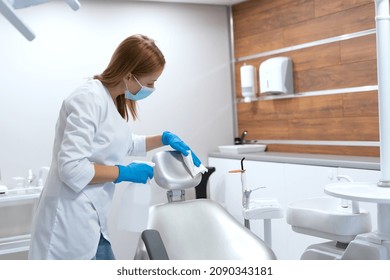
(198, 229)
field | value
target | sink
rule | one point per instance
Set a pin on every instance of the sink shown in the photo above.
(263, 208)
(243, 148)
(324, 217)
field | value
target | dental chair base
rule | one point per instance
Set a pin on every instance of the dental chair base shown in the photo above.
(367, 246)
(323, 251)
(363, 247)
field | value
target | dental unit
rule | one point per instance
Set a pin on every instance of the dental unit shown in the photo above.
(261, 208)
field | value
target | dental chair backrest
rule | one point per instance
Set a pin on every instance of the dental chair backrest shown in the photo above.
(172, 174)
(199, 228)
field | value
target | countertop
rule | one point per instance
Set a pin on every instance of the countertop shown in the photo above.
(359, 162)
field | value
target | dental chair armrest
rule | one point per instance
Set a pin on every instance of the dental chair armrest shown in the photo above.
(154, 245)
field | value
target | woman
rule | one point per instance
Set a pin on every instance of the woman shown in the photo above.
(92, 139)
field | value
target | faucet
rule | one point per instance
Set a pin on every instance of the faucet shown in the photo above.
(345, 177)
(246, 197)
(243, 136)
(240, 140)
(344, 203)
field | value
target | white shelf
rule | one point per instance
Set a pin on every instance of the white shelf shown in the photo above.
(311, 93)
(20, 196)
(14, 244)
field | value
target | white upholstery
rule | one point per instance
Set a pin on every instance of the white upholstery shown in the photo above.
(198, 229)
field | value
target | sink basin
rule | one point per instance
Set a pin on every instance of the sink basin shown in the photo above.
(263, 209)
(324, 217)
(241, 149)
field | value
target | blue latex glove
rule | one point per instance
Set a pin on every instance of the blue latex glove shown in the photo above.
(135, 172)
(168, 138)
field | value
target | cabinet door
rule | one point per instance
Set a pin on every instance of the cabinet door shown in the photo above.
(222, 185)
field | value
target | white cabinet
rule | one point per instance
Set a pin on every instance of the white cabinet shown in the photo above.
(286, 182)
(15, 223)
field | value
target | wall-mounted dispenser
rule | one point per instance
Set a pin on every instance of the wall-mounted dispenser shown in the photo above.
(276, 76)
(248, 82)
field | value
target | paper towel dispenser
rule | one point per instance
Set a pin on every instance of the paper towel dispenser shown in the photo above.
(276, 76)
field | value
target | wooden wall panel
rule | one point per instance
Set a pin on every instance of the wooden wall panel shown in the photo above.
(260, 19)
(294, 108)
(325, 117)
(327, 7)
(272, 129)
(294, 23)
(329, 150)
(334, 77)
(345, 22)
(266, 25)
(360, 104)
(250, 25)
(259, 43)
(252, 7)
(358, 49)
(335, 129)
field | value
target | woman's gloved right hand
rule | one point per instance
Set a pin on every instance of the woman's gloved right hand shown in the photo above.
(168, 138)
(135, 172)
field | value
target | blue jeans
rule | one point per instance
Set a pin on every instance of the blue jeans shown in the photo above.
(104, 250)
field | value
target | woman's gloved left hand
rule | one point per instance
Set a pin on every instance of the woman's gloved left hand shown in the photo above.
(135, 172)
(168, 138)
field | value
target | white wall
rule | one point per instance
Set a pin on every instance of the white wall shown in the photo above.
(193, 96)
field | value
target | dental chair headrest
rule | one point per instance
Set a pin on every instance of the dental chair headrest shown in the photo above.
(171, 172)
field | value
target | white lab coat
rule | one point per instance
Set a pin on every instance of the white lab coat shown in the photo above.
(71, 214)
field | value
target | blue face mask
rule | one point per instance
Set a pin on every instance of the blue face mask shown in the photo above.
(141, 94)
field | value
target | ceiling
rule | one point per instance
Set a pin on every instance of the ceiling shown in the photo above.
(214, 2)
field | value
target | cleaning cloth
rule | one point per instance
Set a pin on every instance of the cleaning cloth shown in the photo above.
(194, 170)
